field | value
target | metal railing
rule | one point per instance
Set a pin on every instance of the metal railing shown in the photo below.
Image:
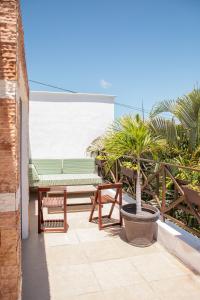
(161, 187)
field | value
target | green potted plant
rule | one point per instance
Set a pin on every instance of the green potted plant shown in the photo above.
(100, 160)
(131, 136)
(129, 169)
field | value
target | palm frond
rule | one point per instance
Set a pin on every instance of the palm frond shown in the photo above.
(163, 106)
(167, 129)
(130, 136)
(96, 146)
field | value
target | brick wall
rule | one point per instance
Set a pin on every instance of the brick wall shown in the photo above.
(13, 86)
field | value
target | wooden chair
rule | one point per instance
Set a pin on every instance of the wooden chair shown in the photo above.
(52, 198)
(101, 198)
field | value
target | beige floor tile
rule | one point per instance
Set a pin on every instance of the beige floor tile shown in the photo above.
(101, 250)
(128, 250)
(72, 280)
(65, 255)
(61, 295)
(78, 220)
(177, 262)
(114, 273)
(86, 263)
(156, 266)
(177, 288)
(133, 292)
(92, 235)
(91, 296)
(59, 239)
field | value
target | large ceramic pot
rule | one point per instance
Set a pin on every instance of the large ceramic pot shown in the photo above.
(130, 173)
(191, 195)
(141, 229)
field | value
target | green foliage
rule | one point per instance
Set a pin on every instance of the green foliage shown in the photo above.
(186, 110)
(129, 165)
(187, 160)
(129, 135)
(101, 157)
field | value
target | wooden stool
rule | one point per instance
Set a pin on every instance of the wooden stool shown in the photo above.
(52, 200)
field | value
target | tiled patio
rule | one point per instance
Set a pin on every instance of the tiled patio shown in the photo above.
(86, 263)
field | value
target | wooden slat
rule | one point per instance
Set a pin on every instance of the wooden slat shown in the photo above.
(164, 163)
(185, 209)
(174, 181)
(194, 212)
(174, 204)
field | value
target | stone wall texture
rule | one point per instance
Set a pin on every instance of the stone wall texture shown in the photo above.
(13, 77)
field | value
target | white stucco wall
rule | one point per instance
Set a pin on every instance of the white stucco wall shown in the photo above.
(23, 193)
(62, 125)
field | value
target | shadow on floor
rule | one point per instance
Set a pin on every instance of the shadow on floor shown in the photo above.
(35, 284)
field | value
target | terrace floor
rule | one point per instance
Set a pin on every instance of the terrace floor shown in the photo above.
(86, 263)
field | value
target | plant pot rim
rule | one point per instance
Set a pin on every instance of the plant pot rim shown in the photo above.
(149, 213)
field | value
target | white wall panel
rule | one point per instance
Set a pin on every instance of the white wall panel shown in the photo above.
(63, 125)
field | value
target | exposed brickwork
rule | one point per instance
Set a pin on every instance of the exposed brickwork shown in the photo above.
(10, 254)
(8, 146)
(13, 78)
(8, 28)
(21, 55)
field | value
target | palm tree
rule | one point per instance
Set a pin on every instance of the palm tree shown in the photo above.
(185, 122)
(131, 136)
(96, 146)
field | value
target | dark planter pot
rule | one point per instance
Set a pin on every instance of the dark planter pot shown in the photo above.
(191, 195)
(141, 230)
(132, 174)
(100, 162)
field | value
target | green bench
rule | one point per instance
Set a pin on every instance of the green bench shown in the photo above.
(49, 172)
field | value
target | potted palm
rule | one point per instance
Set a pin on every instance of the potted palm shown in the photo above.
(131, 136)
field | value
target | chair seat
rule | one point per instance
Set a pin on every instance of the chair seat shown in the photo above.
(104, 199)
(52, 202)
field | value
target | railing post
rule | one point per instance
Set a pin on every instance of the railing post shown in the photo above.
(158, 184)
(116, 171)
(163, 205)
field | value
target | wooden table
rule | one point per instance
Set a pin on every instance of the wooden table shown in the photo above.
(75, 191)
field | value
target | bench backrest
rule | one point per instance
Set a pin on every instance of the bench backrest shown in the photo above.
(66, 166)
(47, 166)
(78, 166)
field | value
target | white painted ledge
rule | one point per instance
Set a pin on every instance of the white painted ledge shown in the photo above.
(180, 243)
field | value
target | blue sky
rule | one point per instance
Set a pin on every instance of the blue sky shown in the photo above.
(137, 50)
